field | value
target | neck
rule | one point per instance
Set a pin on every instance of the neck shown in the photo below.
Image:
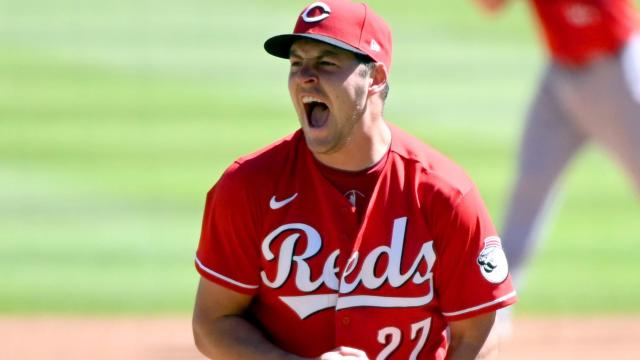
(368, 144)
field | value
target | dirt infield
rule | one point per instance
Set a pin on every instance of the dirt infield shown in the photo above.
(574, 338)
(170, 338)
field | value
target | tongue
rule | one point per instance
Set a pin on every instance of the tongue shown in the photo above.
(319, 115)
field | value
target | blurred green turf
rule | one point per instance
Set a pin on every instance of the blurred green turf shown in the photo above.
(116, 118)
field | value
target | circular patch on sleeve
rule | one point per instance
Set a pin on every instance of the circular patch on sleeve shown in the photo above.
(493, 261)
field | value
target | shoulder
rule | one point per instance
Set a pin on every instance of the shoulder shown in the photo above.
(261, 163)
(261, 169)
(435, 173)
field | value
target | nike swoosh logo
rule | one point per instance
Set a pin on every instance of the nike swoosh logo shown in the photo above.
(275, 204)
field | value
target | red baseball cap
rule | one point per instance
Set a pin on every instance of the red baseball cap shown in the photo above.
(342, 23)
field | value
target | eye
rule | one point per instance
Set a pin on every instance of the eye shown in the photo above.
(327, 63)
(296, 63)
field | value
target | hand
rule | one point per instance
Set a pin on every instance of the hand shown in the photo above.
(491, 5)
(344, 353)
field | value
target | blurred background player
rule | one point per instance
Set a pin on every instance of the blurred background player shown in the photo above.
(590, 91)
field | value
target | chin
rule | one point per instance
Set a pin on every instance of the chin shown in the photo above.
(319, 145)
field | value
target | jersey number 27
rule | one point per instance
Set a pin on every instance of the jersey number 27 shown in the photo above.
(391, 336)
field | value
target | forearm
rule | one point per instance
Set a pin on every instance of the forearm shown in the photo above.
(468, 336)
(233, 337)
(463, 350)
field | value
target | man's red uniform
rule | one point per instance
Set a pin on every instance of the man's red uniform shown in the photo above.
(424, 253)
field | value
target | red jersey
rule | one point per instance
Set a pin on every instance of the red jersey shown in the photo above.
(579, 30)
(426, 252)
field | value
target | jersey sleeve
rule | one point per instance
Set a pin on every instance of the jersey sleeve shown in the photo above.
(471, 275)
(227, 252)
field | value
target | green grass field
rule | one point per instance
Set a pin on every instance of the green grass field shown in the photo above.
(117, 117)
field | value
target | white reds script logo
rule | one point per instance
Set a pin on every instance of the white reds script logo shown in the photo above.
(493, 261)
(307, 305)
(326, 11)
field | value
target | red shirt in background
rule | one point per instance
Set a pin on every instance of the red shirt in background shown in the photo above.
(580, 30)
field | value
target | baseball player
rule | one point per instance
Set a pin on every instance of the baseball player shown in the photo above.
(348, 239)
(590, 91)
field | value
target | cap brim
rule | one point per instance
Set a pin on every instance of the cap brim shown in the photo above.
(280, 45)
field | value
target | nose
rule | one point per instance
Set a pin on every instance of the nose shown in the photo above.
(307, 75)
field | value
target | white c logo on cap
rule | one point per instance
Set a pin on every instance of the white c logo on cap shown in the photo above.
(326, 11)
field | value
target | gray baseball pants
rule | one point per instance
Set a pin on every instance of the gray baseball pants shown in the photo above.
(599, 102)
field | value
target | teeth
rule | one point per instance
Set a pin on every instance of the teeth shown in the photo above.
(310, 99)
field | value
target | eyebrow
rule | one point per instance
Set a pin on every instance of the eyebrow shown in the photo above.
(323, 53)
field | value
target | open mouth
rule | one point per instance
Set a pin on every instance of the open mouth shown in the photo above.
(317, 111)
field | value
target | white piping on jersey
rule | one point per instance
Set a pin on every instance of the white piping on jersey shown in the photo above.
(220, 276)
(481, 306)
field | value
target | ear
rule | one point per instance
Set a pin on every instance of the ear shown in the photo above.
(378, 79)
